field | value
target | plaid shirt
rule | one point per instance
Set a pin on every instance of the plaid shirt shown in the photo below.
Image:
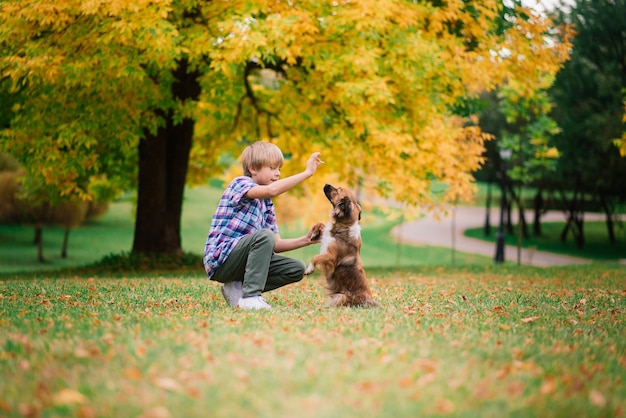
(236, 216)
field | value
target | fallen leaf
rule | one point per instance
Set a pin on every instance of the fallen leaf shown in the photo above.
(156, 412)
(405, 382)
(167, 383)
(530, 319)
(366, 386)
(68, 397)
(28, 411)
(386, 358)
(86, 411)
(133, 373)
(4, 406)
(444, 406)
(426, 379)
(515, 388)
(548, 386)
(597, 398)
(81, 352)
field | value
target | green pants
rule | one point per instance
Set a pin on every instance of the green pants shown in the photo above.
(253, 261)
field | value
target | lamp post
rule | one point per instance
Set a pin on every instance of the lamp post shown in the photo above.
(505, 154)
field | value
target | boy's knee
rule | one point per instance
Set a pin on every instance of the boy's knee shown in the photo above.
(265, 236)
(298, 270)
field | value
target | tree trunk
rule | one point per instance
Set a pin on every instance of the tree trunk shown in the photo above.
(517, 198)
(538, 203)
(39, 243)
(580, 236)
(609, 217)
(163, 163)
(66, 238)
(575, 218)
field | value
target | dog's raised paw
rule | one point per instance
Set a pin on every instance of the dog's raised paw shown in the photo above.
(310, 269)
(317, 229)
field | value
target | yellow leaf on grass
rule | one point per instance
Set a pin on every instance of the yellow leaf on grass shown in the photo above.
(167, 383)
(405, 382)
(597, 398)
(548, 386)
(530, 319)
(4, 406)
(156, 412)
(68, 397)
(133, 373)
(505, 326)
(426, 379)
(444, 406)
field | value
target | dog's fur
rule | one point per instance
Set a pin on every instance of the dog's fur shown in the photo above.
(340, 254)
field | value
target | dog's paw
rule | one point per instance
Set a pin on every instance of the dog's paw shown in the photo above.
(310, 269)
(316, 231)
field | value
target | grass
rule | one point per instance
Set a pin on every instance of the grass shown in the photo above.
(597, 245)
(486, 341)
(113, 234)
(455, 336)
(380, 249)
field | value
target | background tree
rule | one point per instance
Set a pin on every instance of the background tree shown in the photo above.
(142, 93)
(588, 93)
(35, 209)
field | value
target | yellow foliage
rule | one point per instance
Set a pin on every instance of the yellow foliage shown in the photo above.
(369, 83)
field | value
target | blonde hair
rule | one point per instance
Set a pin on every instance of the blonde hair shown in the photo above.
(261, 154)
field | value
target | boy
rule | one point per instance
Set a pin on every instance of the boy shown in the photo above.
(241, 248)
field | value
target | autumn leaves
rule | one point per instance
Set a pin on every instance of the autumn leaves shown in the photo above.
(446, 342)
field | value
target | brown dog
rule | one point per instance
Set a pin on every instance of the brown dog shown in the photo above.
(340, 254)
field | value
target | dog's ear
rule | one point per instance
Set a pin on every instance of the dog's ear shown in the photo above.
(345, 205)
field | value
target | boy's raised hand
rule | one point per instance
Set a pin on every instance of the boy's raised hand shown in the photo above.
(313, 162)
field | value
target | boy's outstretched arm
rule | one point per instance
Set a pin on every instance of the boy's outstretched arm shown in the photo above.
(282, 185)
(314, 236)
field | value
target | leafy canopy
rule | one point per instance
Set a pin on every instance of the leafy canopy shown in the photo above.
(369, 83)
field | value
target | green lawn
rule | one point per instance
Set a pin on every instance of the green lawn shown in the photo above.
(473, 341)
(597, 245)
(113, 234)
(145, 337)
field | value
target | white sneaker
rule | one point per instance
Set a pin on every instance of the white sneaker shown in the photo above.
(253, 302)
(232, 292)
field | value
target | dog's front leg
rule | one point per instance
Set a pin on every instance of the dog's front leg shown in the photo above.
(310, 269)
(325, 261)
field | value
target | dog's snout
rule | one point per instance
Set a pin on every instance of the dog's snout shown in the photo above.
(328, 191)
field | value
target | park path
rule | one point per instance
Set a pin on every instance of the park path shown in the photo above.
(448, 232)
